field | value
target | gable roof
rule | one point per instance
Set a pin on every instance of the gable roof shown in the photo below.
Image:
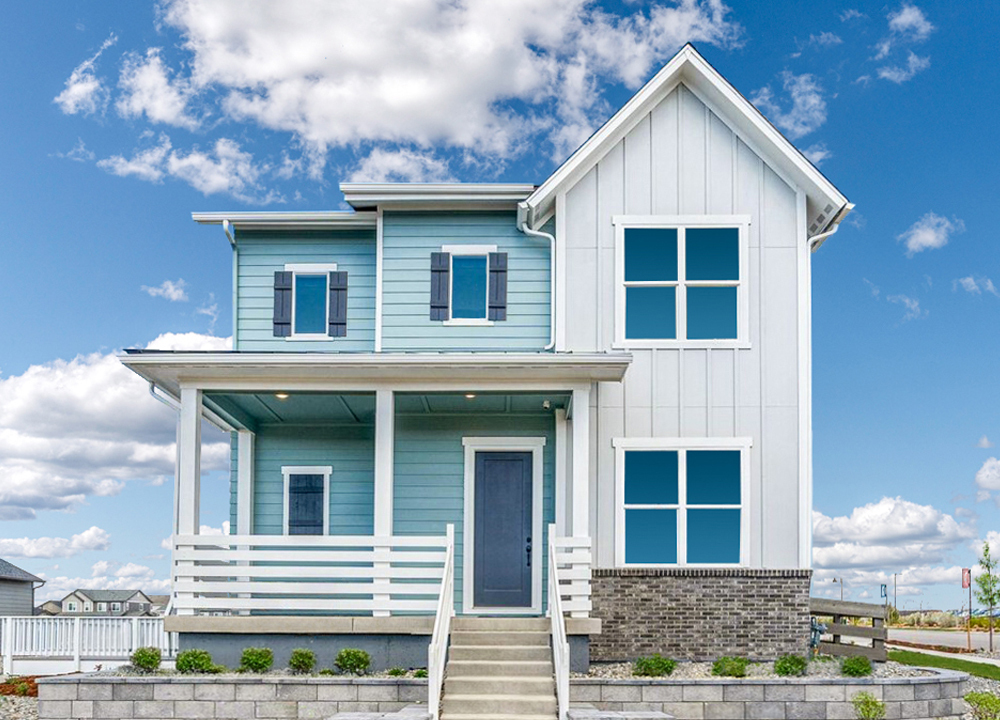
(13, 572)
(107, 595)
(826, 205)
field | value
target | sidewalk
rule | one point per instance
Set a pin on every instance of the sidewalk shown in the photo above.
(971, 657)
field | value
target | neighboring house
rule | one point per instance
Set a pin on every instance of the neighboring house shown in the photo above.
(105, 602)
(49, 608)
(17, 590)
(158, 604)
(623, 352)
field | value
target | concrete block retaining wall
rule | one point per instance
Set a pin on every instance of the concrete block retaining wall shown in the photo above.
(699, 613)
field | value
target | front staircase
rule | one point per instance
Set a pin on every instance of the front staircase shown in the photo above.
(499, 668)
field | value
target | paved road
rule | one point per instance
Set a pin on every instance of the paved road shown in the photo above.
(950, 638)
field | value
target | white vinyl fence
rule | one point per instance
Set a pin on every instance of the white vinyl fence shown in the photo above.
(41, 645)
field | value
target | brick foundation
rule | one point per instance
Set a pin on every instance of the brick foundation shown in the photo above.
(700, 614)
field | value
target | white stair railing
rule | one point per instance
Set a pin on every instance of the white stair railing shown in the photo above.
(560, 644)
(437, 651)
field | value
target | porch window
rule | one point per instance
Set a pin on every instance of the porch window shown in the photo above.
(307, 500)
(681, 280)
(681, 502)
(310, 302)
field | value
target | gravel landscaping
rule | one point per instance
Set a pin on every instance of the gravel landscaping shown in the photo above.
(18, 708)
(694, 670)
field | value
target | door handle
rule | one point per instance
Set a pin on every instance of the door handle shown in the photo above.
(527, 550)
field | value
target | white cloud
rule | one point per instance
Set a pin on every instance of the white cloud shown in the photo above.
(975, 286)
(202, 530)
(84, 92)
(52, 547)
(912, 305)
(825, 39)
(930, 232)
(79, 153)
(209, 309)
(144, 164)
(872, 287)
(910, 22)
(172, 291)
(901, 73)
(195, 342)
(84, 427)
(147, 89)
(984, 443)
(401, 166)
(851, 14)
(817, 153)
(987, 478)
(105, 575)
(808, 108)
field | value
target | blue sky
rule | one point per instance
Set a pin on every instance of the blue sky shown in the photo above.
(119, 119)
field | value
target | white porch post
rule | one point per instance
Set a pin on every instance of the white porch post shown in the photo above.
(385, 419)
(562, 479)
(188, 517)
(581, 462)
(244, 482)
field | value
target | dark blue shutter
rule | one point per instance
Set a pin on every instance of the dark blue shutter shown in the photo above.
(305, 505)
(282, 303)
(338, 304)
(440, 285)
(498, 287)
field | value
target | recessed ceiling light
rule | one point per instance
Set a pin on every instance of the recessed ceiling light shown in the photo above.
(281, 396)
(469, 396)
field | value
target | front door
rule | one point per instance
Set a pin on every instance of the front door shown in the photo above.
(502, 573)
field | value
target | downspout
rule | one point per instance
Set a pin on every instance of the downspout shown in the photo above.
(522, 225)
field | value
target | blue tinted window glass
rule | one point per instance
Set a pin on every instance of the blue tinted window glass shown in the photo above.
(713, 536)
(711, 313)
(468, 287)
(651, 477)
(310, 304)
(650, 313)
(713, 477)
(712, 253)
(650, 254)
(650, 536)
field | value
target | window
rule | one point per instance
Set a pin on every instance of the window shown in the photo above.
(681, 501)
(306, 500)
(116, 607)
(102, 607)
(310, 302)
(71, 606)
(87, 607)
(468, 285)
(681, 280)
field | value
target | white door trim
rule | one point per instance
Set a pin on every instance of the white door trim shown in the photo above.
(472, 445)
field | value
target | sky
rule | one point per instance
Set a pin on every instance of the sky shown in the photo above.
(118, 119)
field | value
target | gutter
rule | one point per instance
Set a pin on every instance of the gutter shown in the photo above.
(831, 228)
(522, 225)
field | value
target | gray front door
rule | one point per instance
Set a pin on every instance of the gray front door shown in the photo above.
(502, 530)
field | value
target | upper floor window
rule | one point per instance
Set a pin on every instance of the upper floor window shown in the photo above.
(310, 302)
(468, 285)
(102, 607)
(71, 606)
(306, 500)
(87, 607)
(116, 607)
(681, 280)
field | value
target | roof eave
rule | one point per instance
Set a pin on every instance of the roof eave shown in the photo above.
(368, 196)
(285, 220)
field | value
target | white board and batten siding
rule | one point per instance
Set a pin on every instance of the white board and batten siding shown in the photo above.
(682, 159)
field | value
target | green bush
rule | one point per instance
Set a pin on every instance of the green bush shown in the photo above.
(396, 672)
(868, 707)
(791, 665)
(22, 688)
(730, 667)
(302, 660)
(983, 705)
(256, 660)
(194, 661)
(420, 673)
(327, 671)
(353, 661)
(147, 659)
(653, 666)
(857, 666)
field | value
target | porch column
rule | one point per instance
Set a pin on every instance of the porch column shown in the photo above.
(385, 413)
(244, 482)
(188, 518)
(562, 478)
(581, 462)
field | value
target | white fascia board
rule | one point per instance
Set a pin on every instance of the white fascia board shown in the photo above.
(278, 220)
(435, 195)
(689, 67)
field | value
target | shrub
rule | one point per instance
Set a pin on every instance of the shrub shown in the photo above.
(857, 666)
(396, 672)
(983, 705)
(730, 667)
(256, 660)
(194, 661)
(791, 665)
(653, 666)
(147, 659)
(868, 707)
(420, 673)
(22, 688)
(327, 671)
(352, 660)
(302, 660)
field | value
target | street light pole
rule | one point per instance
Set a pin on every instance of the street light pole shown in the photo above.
(841, 581)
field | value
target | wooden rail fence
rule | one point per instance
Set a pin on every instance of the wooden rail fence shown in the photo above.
(841, 610)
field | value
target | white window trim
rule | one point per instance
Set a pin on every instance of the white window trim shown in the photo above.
(310, 269)
(87, 607)
(680, 223)
(472, 445)
(468, 251)
(116, 607)
(102, 607)
(743, 444)
(70, 606)
(286, 473)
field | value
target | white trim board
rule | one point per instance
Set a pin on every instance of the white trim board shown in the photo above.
(286, 472)
(472, 445)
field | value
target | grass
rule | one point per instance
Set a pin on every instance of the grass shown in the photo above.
(908, 657)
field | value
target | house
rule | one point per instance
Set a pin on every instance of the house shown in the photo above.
(118, 603)
(17, 590)
(158, 604)
(454, 389)
(49, 608)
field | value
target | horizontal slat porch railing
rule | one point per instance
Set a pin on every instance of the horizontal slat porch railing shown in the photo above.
(331, 574)
(573, 559)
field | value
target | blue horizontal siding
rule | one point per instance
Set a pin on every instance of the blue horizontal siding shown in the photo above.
(263, 253)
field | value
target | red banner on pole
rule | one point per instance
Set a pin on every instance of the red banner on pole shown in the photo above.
(966, 577)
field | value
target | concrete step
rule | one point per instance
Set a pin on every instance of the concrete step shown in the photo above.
(506, 624)
(508, 705)
(499, 668)
(491, 637)
(480, 686)
(502, 653)
(495, 716)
